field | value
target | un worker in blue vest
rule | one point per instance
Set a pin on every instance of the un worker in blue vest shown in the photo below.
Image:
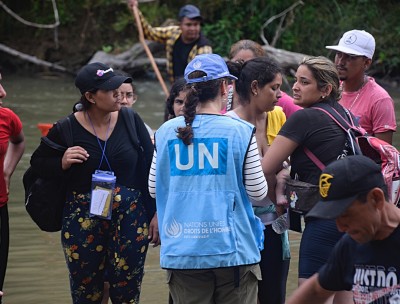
(205, 168)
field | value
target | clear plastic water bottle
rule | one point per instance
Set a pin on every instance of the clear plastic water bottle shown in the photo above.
(281, 224)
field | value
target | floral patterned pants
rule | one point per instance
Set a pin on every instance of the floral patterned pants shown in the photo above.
(94, 245)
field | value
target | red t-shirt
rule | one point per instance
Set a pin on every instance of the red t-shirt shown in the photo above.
(10, 125)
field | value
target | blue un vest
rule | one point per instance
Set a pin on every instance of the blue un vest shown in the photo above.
(204, 214)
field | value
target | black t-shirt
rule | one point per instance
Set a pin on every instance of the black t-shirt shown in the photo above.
(120, 152)
(180, 56)
(371, 270)
(320, 134)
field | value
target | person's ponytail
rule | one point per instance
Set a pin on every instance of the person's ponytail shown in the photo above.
(192, 99)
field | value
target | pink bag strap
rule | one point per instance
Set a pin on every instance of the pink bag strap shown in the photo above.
(343, 123)
(314, 158)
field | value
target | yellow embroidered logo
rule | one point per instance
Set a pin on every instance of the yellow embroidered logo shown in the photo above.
(324, 184)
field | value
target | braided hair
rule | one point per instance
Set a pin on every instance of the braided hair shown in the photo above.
(198, 92)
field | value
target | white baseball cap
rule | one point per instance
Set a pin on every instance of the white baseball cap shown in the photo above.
(356, 42)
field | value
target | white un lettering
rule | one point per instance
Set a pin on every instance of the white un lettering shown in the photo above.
(203, 153)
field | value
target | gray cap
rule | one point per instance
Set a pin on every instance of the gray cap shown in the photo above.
(190, 11)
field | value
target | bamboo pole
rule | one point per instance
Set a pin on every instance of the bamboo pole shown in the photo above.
(135, 12)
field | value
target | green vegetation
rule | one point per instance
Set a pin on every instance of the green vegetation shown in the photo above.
(90, 25)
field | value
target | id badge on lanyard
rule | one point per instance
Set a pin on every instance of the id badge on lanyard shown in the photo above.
(103, 185)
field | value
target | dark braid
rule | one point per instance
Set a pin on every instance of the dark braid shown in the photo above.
(198, 92)
(189, 112)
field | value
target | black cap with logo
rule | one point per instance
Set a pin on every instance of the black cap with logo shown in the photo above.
(98, 76)
(342, 181)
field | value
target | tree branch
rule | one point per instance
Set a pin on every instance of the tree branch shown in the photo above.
(282, 14)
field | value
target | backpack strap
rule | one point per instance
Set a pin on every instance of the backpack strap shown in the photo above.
(345, 123)
(130, 122)
(314, 158)
(52, 144)
(129, 117)
(334, 115)
(349, 127)
(65, 129)
(308, 152)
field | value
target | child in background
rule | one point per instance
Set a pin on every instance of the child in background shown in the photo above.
(176, 99)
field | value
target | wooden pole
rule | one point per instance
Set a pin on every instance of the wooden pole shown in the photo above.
(148, 52)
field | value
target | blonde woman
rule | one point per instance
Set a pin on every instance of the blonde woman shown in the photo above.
(316, 81)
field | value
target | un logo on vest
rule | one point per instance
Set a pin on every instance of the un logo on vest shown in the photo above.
(205, 156)
(173, 230)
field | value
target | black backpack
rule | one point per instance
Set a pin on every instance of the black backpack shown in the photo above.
(45, 198)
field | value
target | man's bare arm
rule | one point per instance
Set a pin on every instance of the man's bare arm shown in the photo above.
(310, 292)
(386, 136)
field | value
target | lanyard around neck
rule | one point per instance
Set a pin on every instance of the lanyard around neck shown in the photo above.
(103, 149)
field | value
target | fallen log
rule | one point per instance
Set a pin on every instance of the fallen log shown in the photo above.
(288, 61)
(134, 60)
(34, 59)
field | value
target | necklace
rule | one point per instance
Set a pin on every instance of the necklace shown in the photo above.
(358, 92)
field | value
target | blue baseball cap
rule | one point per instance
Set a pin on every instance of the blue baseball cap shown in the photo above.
(212, 65)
